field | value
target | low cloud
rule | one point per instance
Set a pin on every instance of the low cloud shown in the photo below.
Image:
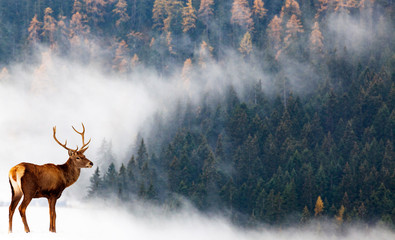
(104, 221)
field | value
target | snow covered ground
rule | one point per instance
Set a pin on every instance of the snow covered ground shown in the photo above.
(106, 222)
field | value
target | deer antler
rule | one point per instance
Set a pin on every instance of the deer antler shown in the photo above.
(84, 145)
(65, 143)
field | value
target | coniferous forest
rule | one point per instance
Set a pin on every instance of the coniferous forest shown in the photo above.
(312, 137)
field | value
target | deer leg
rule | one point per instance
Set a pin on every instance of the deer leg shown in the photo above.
(22, 210)
(16, 197)
(52, 214)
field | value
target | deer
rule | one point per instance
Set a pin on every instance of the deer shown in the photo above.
(48, 180)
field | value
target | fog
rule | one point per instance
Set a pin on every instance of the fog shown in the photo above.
(63, 92)
(104, 221)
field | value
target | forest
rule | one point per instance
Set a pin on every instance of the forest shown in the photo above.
(306, 131)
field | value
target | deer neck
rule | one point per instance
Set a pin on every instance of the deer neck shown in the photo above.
(71, 172)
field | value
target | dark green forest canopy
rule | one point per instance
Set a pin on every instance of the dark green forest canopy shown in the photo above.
(313, 137)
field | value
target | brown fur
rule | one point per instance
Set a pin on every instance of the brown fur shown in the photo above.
(48, 180)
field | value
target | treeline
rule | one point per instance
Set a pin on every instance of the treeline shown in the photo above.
(330, 153)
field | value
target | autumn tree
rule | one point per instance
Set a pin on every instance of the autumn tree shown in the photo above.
(120, 11)
(275, 32)
(173, 21)
(293, 28)
(241, 15)
(205, 54)
(120, 61)
(95, 10)
(135, 61)
(34, 30)
(78, 28)
(159, 13)
(206, 12)
(340, 215)
(189, 17)
(246, 45)
(49, 27)
(258, 9)
(186, 73)
(319, 207)
(316, 39)
(290, 7)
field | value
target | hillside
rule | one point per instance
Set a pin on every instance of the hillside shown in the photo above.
(284, 110)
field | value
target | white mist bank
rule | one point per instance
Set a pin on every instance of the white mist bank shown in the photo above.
(108, 222)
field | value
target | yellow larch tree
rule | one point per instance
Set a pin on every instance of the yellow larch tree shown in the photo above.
(173, 20)
(49, 27)
(78, 28)
(120, 61)
(4, 75)
(120, 11)
(188, 17)
(159, 13)
(135, 61)
(316, 39)
(77, 6)
(205, 54)
(290, 7)
(323, 7)
(34, 30)
(246, 45)
(241, 15)
(293, 28)
(275, 31)
(352, 3)
(95, 10)
(259, 9)
(206, 11)
(186, 73)
(340, 215)
(319, 207)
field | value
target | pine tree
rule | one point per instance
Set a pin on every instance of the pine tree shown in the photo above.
(305, 215)
(96, 184)
(319, 207)
(189, 17)
(110, 179)
(142, 154)
(241, 15)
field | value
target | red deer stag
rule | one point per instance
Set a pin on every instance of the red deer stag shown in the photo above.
(48, 180)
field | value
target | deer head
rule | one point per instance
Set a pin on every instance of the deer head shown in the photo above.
(75, 155)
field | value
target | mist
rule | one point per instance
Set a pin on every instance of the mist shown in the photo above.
(101, 220)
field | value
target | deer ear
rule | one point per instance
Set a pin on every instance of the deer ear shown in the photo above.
(71, 152)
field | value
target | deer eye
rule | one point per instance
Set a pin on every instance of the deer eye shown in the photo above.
(78, 158)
